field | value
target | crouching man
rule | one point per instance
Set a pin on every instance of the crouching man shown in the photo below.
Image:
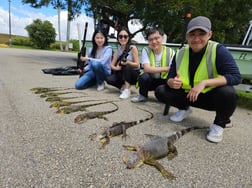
(202, 75)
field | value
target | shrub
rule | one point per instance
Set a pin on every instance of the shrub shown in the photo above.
(22, 42)
(42, 34)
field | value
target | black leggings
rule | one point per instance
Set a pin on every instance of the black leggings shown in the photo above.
(118, 78)
(222, 100)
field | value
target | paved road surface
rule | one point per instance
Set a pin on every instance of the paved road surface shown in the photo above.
(40, 148)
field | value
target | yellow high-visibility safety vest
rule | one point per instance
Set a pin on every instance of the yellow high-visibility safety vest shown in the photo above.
(166, 57)
(205, 70)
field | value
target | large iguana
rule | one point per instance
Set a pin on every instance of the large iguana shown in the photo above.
(91, 115)
(76, 108)
(117, 129)
(157, 147)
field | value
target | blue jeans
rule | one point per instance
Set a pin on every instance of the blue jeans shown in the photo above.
(95, 75)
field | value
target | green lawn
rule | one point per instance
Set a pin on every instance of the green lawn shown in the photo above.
(245, 99)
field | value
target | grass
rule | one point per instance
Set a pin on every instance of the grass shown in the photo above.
(4, 38)
(245, 99)
(4, 43)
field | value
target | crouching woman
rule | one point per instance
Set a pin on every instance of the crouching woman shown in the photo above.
(98, 63)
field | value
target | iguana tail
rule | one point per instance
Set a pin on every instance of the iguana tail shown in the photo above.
(39, 90)
(57, 99)
(91, 115)
(177, 135)
(133, 123)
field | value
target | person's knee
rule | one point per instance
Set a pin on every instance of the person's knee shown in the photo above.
(227, 92)
(80, 84)
(77, 86)
(144, 78)
(109, 79)
(96, 65)
(160, 92)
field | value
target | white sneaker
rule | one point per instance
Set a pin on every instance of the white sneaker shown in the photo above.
(139, 98)
(122, 88)
(100, 87)
(180, 115)
(125, 94)
(215, 133)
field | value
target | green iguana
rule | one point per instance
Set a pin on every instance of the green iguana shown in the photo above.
(76, 108)
(157, 147)
(39, 90)
(59, 104)
(91, 115)
(53, 94)
(58, 99)
(117, 129)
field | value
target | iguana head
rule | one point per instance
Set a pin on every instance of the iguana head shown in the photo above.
(77, 119)
(104, 140)
(63, 111)
(132, 162)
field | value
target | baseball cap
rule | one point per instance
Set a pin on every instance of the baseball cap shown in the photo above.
(199, 22)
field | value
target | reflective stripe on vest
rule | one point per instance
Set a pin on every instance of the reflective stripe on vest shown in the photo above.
(205, 70)
(166, 57)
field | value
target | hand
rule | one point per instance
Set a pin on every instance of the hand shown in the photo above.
(84, 58)
(175, 83)
(118, 67)
(195, 91)
(81, 70)
(124, 63)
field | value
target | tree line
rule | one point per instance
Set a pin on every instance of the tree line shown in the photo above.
(229, 18)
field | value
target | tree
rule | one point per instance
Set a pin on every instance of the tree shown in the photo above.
(229, 17)
(230, 22)
(121, 13)
(73, 9)
(57, 4)
(41, 34)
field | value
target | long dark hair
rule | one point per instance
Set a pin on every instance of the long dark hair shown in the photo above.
(94, 48)
(129, 34)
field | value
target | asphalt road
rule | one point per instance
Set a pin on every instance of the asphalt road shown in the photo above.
(40, 148)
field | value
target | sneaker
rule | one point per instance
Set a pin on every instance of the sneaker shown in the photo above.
(180, 115)
(215, 134)
(125, 94)
(139, 98)
(100, 87)
(122, 88)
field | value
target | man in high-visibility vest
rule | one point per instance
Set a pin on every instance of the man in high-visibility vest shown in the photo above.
(156, 60)
(202, 75)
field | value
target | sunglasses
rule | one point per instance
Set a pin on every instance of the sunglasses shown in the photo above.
(123, 36)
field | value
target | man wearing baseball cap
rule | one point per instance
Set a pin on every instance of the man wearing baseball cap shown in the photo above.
(202, 75)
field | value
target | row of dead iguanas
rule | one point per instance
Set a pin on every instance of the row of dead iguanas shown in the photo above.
(156, 148)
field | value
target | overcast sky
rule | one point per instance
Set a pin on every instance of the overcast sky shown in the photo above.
(23, 15)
